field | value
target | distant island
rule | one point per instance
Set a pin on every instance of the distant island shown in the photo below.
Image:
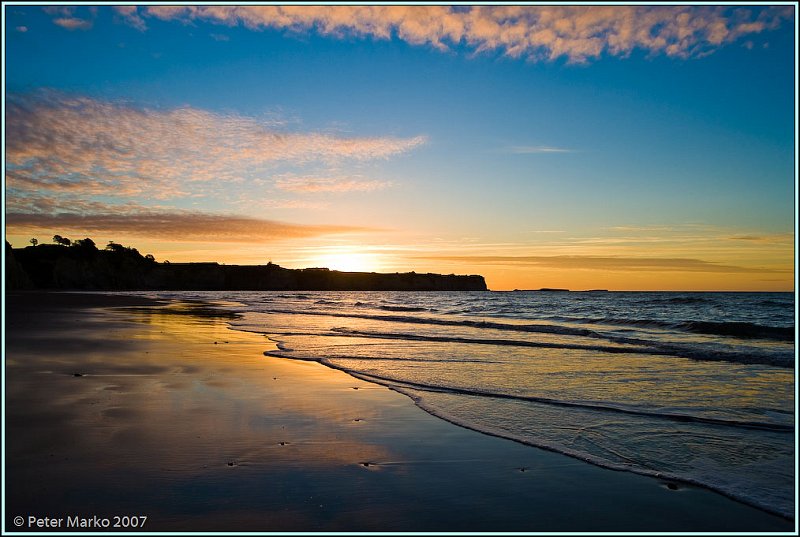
(543, 290)
(559, 290)
(82, 265)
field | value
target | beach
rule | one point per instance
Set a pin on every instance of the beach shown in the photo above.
(121, 406)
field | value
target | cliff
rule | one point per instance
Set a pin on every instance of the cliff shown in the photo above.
(83, 266)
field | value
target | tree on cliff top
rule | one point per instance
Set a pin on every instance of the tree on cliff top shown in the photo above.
(63, 241)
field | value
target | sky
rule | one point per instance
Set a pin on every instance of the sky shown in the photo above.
(630, 147)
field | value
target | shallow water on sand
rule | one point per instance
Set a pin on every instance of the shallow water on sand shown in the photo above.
(697, 387)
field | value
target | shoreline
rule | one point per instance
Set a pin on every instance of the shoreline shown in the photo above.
(175, 412)
(670, 481)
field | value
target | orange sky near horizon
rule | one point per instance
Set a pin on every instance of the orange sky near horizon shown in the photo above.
(767, 266)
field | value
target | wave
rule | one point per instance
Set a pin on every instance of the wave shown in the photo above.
(741, 330)
(681, 351)
(536, 328)
(402, 308)
(785, 509)
(702, 353)
(636, 345)
(501, 342)
(778, 303)
(680, 300)
(595, 406)
(415, 391)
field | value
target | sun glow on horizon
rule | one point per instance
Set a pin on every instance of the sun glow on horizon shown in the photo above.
(345, 259)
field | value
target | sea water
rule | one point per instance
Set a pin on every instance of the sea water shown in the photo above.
(694, 387)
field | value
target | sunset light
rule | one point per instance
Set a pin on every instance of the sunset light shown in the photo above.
(400, 268)
(539, 146)
(347, 260)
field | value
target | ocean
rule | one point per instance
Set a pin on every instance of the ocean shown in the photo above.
(692, 388)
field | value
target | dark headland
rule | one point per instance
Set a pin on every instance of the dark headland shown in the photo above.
(81, 265)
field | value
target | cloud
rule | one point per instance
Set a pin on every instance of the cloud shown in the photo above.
(611, 263)
(79, 165)
(130, 15)
(62, 143)
(295, 204)
(22, 29)
(73, 23)
(577, 33)
(780, 238)
(324, 184)
(64, 16)
(533, 149)
(167, 225)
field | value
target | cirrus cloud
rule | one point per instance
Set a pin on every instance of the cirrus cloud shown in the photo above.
(64, 16)
(328, 184)
(58, 142)
(169, 225)
(534, 149)
(82, 165)
(577, 33)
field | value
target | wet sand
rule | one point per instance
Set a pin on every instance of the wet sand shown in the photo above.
(121, 406)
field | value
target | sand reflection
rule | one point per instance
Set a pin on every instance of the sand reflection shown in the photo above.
(124, 410)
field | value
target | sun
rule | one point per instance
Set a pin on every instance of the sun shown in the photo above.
(347, 260)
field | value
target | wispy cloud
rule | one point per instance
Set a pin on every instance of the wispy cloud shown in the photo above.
(73, 23)
(22, 29)
(772, 238)
(64, 16)
(63, 143)
(612, 263)
(533, 149)
(77, 164)
(577, 33)
(295, 204)
(167, 225)
(131, 16)
(328, 184)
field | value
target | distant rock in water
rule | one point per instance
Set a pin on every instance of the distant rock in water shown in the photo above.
(83, 266)
(542, 290)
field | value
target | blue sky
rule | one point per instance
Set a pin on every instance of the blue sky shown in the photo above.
(405, 148)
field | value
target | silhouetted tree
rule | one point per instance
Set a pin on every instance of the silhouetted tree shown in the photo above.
(63, 241)
(115, 247)
(150, 258)
(87, 244)
(34, 241)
